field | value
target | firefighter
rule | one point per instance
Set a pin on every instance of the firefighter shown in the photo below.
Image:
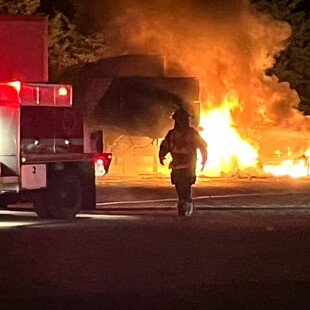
(182, 143)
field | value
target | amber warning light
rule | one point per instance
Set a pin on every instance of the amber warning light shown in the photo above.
(63, 95)
(62, 91)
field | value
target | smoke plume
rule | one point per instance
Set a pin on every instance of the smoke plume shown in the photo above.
(227, 45)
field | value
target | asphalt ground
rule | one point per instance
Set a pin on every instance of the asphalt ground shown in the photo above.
(217, 259)
(245, 247)
(157, 192)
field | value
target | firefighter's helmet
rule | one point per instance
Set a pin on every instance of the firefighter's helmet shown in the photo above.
(180, 114)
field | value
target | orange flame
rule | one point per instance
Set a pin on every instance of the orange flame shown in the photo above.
(227, 151)
(294, 168)
(297, 166)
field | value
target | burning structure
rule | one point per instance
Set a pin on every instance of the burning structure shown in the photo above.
(132, 99)
(250, 120)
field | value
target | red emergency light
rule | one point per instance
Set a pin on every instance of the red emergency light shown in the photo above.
(9, 93)
(102, 164)
(15, 93)
(16, 85)
(46, 94)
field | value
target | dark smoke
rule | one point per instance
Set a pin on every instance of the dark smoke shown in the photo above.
(225, 43)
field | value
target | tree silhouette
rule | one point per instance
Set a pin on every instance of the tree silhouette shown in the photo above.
(68, 47)
(19, 7)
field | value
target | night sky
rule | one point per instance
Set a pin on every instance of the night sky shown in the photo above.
(47, 6)
(67, 7)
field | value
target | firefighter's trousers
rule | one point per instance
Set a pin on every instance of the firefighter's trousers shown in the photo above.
(183, 180)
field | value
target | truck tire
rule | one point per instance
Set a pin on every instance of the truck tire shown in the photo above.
(87, 178)
(40, 205)
(65, 195)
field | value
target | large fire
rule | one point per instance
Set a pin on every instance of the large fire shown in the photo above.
(229, 153)
(229, 46)
(227, 150)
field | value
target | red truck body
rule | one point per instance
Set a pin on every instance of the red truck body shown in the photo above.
(24, 48)
(47, 155)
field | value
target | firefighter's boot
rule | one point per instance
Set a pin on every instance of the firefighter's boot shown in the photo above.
(181, 208)
(189, 208)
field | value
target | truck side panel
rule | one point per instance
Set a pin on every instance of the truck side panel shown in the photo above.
(50, 130)
(9, 140)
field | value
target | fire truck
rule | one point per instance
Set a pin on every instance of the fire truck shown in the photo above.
(47, 155)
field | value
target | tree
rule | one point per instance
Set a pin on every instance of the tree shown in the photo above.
(68, 47)
(19, 7)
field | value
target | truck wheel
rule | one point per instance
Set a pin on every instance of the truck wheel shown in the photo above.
(40, 206)
(65, 195)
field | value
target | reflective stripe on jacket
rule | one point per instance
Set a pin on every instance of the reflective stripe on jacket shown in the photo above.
(183, 147)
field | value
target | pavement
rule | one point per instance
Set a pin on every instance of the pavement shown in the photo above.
(157, 191)
(216, 259)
